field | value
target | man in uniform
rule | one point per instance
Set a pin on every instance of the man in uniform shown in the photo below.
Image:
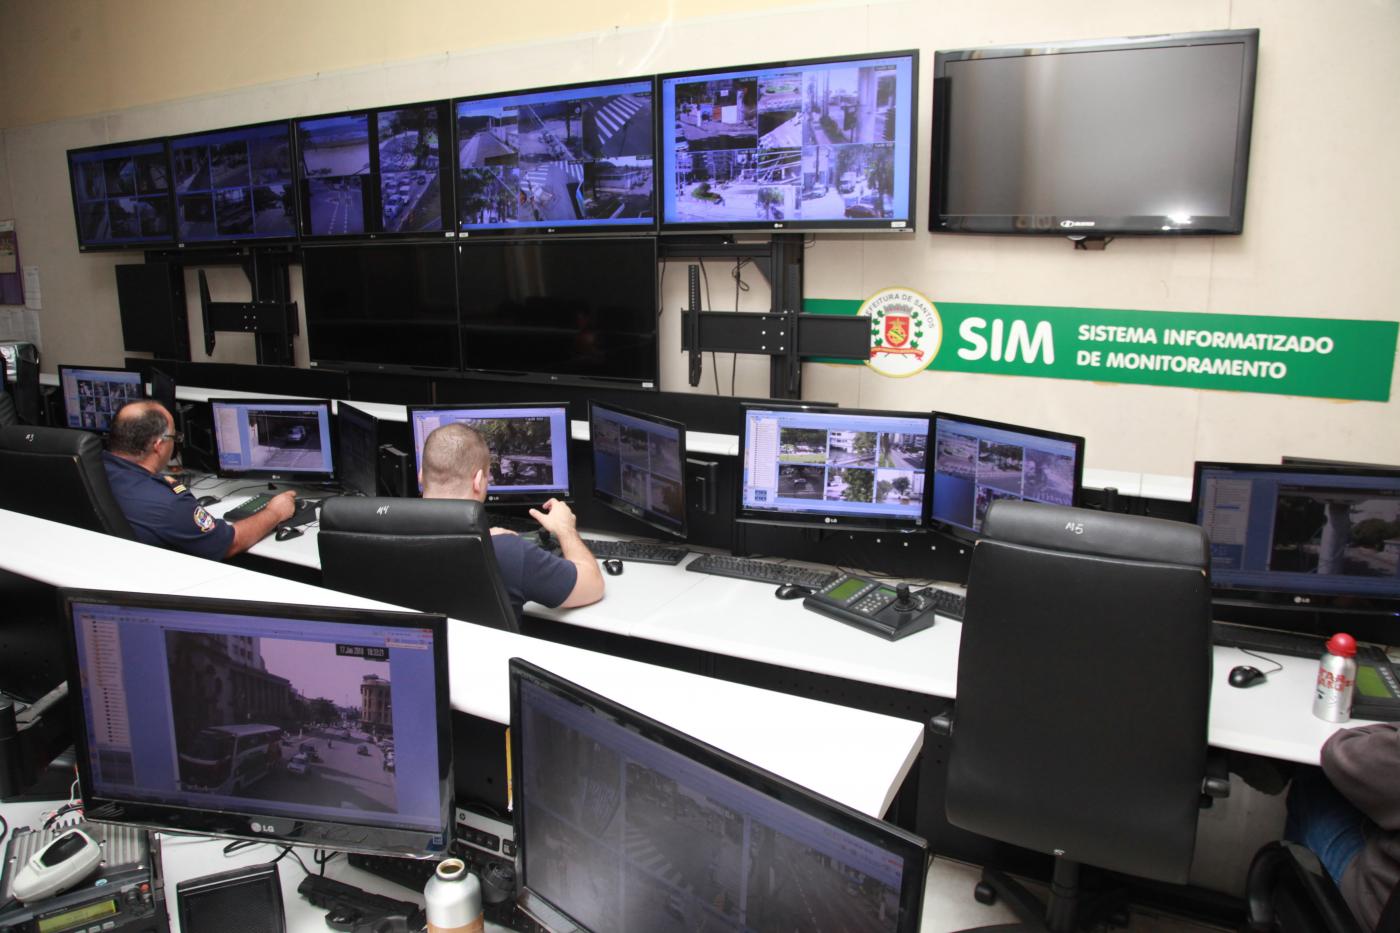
(159, 508)
(456, 465)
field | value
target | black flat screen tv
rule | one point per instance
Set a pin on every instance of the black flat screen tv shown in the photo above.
(382, 306)
(570, 159)
(121, 195)
(566, 310)
(234, 185)
(824, 144)
(1145, 136)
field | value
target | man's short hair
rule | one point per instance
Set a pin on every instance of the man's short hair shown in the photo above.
(453, 453)
(135, 427)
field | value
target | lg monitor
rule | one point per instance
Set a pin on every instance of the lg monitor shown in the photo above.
(266, 721)
(1302, 537)
(976, 462)
(121, 195)
(357, 450)
(272, 439)
(556, 160)
(529, 447)
(833, 468)
(639, 466)
(624, 823)
(93, 394)
(1146, 135)
(824, 144)
(234, 185)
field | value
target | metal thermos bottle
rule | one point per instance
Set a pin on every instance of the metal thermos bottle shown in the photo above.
(453, 899)
(1336, 678)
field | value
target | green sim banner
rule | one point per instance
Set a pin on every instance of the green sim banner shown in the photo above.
(1319, 357)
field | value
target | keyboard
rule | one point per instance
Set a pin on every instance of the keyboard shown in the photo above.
(762, 571)
(248, 507)
(946, 602)
(1289, 644)
(411, 873)
(636, 550)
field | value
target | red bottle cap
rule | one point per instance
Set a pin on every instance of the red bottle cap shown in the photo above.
(1342, 645)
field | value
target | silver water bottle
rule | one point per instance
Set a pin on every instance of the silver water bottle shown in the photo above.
(453, 899)
(1336, 678)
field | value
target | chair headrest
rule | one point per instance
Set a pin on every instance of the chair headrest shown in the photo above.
(50, 441)
(393, 516)
(1102, 534)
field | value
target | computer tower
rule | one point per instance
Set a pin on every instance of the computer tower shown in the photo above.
(151, 299)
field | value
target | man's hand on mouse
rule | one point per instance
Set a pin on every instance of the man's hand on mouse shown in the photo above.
(283, 505)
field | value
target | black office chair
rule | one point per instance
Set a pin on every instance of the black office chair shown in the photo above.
(1288, 891)
(433, 555)
(57, 473)
(1084, 679)
(8, 414)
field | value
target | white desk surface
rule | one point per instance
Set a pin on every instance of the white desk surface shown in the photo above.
(852, 756)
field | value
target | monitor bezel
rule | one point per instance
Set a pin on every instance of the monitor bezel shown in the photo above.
(293, 182)
(372, 423)
(912, 850)
(621, 506)
(542, 228)
(1286, 599)
(967, 534)
(131, 245)
(825, 519)
(294, 476)
(65, 368)
(523, 500)
(908, 225)
(265, 827)
(1045, 225)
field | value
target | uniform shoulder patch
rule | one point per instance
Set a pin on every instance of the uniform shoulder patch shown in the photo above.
(203, 519)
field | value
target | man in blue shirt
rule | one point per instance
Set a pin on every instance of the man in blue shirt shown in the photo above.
(160, 509)
(456, 464)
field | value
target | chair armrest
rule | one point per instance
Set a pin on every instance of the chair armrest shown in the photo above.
(1216, 783)
(1289, 863)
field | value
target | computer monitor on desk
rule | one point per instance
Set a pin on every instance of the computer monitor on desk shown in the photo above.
(93, 394)
(529, 447)
(274, 439)
(624, 823)
(264, 721)
(357, 451)
(639, 466)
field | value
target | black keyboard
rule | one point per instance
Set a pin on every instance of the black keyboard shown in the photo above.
(411, 873)
(947, 603)
(1289, 644)
(248, 507)
(358, 905)
(760, 570)
(636, 550)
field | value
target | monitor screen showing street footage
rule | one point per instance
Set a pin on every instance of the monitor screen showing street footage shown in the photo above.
(234, 184)
(411, 177)
(565, 159)
(273, 437)
(825, 467)
(335, 174)
(261, 719)
(529, 447)
(639, 465)
(817, 144)
(121, 195)
(92, 395)
(977, 462)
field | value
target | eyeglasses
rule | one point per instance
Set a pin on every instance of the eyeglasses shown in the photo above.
(178, 437)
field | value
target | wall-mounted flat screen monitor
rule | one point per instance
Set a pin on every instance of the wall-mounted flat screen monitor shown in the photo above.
(825, 144)
(639, 465)
(1144, 135)
(92, 395)
(382, 306)
(1302, 536)
(832, 468)
(274, 438)
(357, 450)
(976, 462)
(374, 172)
(266, 721)
(666, 832)
(121, 195)
(569, 310)
(234, 185)
(529, 446)
(556, 160)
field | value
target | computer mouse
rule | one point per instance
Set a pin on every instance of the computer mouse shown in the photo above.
(792, 591)
(1246, 676)
(287, 532)
(208, 500)
(613, 566)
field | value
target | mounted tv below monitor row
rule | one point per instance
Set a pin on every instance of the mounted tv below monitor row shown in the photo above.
(567, 159)
(820, 144)
(273, 438)
(529, 446)
(121, 195)
(234, 185)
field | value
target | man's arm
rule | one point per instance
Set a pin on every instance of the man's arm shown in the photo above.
(249, 531)
(1363, 763)
(558, 519)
